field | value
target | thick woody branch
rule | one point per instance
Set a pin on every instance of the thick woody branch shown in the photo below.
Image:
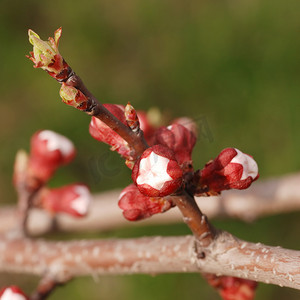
(226, 255)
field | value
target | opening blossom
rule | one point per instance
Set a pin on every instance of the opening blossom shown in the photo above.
(232, 169)
(73, 199)
(45, 54)
(12, 293)
(157, 173)
(49, 150)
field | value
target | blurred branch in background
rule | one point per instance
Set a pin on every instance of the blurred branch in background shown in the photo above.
(272, 196)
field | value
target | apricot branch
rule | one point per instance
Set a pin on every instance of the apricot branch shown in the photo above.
(226, 255)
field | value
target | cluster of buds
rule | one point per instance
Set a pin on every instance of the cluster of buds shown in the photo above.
(49, 151)
(233, 288)
(163, 169)
(231, 169)
(137, 206)
(73, 199)
(12, 293)
(45, 55)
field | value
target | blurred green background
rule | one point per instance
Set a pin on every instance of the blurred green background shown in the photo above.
(232, 65)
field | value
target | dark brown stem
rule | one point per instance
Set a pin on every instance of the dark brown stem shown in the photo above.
(195, 219)
(95, 108)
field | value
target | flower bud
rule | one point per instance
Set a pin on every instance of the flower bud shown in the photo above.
(49, 150)
(232, 169)
(178, 138)
(233, 288)
(238, 288)
(137, 206)
(71, 96)
(188, 123)
(73, 199)
(12, 293)
(45, 54)
(157, 173)
(101, 132)
(131, 117)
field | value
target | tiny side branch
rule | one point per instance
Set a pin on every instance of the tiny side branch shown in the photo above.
(226, 255)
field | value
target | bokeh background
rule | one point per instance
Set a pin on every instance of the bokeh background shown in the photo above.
(232, 65)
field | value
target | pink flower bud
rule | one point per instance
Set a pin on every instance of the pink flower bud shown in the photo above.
(49, 150)
(73, 199)
(101, 132)
(12, 293)
(233, 288)
(71, 96)
(45, 55)
(232, 169)
(157, 173)
(188, 123)
(178, 138)
(137, 206)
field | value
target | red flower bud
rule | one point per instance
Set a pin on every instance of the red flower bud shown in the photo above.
(12, 293)
(49, 150)
(237, 288)
(137, 206)
(188, 123)
(101, 132)
(178, 138)
(73, 199)
(233, 288)
(232, 169)
(157, 173)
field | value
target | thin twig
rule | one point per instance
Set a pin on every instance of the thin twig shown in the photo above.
(95, 108)
(46, 286)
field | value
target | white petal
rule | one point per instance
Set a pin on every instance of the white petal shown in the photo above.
(250, 167)
(81, 203)
(10, 295)
(57, 141)
(153, 171)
